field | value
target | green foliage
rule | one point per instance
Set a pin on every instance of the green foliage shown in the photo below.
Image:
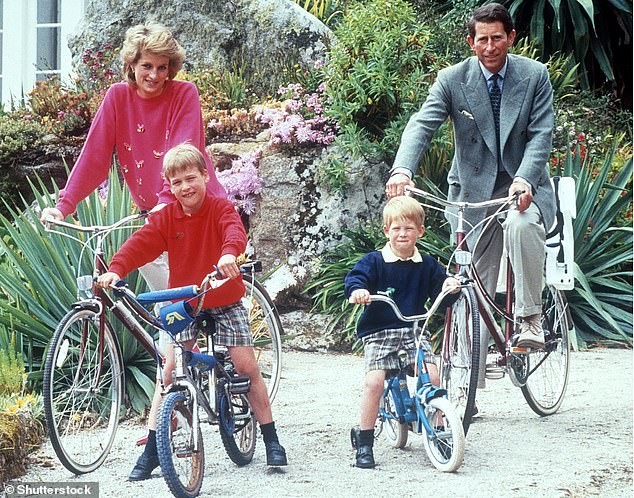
(591, 30)
(38, 285)
(601, 303)
(12, 376)
(377, 74)
(18, 137)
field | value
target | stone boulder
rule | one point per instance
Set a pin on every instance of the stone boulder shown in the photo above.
(298, 218)
(262, 37)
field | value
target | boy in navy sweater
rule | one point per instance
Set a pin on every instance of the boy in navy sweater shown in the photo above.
(414, 278)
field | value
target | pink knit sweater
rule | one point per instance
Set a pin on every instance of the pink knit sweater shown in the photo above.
(141, 130)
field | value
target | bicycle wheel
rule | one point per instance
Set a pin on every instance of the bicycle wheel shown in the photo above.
(459, 363)
(182, 466)
(83, 389)
(548, 369)
(396, 431)
(266, 328)
(445, 446)
(237, 425)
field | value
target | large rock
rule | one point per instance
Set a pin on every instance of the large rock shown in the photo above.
(261, 36)
(298, 218)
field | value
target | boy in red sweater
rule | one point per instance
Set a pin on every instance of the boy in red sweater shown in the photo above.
(198, 230)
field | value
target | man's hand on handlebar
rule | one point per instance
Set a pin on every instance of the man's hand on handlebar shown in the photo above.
(452, 285)
(51, 213)
(525, 195)
(396, 185)
(107, 280)
(360, 296)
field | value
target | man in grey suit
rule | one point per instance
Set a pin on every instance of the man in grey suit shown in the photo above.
(500, 106)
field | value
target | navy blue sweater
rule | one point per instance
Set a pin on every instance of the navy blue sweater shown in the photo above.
(413, 284)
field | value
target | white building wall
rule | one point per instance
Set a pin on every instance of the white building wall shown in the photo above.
(20, 44)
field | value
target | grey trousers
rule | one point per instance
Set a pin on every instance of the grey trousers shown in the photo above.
(523, 236)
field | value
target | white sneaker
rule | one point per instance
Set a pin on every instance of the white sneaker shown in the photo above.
(531, 334)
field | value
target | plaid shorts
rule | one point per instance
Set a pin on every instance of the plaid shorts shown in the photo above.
(232, 326)
(381, 348)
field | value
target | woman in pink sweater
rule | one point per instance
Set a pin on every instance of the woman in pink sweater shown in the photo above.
(141, 119)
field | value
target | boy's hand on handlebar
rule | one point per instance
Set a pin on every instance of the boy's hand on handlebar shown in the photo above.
(227, 266)
(525, 197)
(396, 185)
(48, 213)
(107, 279)
(452, 285)
(360, 296)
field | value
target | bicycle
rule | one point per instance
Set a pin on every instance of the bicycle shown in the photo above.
(84, 372)
(203, 378)
(542, 375)
(426, 411)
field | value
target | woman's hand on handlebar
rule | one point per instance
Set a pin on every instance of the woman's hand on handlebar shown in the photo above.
(54, 213)
(360, 296)
(227, 266)
(396, 185)
(108, 279)
(451, 284)
(525, 197)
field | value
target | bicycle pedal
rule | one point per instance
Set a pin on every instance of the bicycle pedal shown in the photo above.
(518, 350)
(494, 372)
(240, 384)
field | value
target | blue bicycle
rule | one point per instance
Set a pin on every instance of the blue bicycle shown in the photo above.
(426, 411)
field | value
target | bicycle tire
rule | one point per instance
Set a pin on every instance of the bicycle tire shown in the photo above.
(81, 417)
(267, 332)
(459, 363)
(182, 467)
(396, 431)
(445, 447)
(236, 422)
(545, 387)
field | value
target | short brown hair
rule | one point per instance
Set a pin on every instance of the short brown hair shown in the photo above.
(490, 13)
(403, 208)
(152, 38)
(181, 157)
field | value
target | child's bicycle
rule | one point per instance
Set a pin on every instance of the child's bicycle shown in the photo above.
(203, 378)
(427, 411)
(541, 374)
(84, 379)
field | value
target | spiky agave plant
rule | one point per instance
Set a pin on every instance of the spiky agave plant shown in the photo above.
(37, 281)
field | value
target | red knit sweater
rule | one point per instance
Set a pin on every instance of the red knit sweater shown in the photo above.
(193, 243)
(142, 130)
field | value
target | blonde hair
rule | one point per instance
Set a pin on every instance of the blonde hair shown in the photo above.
(154, 39)
(403, 208)
(181, 157)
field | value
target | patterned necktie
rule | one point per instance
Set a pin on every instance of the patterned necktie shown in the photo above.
(496, 96)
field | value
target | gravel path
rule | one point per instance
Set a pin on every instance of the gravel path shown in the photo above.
(584, 450)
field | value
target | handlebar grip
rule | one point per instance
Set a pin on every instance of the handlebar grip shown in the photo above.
(168, 294)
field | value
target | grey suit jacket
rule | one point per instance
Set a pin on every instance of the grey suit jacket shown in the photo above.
(526, 123)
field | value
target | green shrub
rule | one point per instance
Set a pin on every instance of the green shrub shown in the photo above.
(377, 73)
(19, 136)
(12, 376)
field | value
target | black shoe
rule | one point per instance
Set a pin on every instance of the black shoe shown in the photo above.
(275, 455)
(144, 467)
(365, 454)
(365, 457)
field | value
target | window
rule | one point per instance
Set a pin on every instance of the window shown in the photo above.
(48, 29)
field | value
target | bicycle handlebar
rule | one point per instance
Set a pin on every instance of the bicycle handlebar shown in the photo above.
(94, 228)
(462, 204)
